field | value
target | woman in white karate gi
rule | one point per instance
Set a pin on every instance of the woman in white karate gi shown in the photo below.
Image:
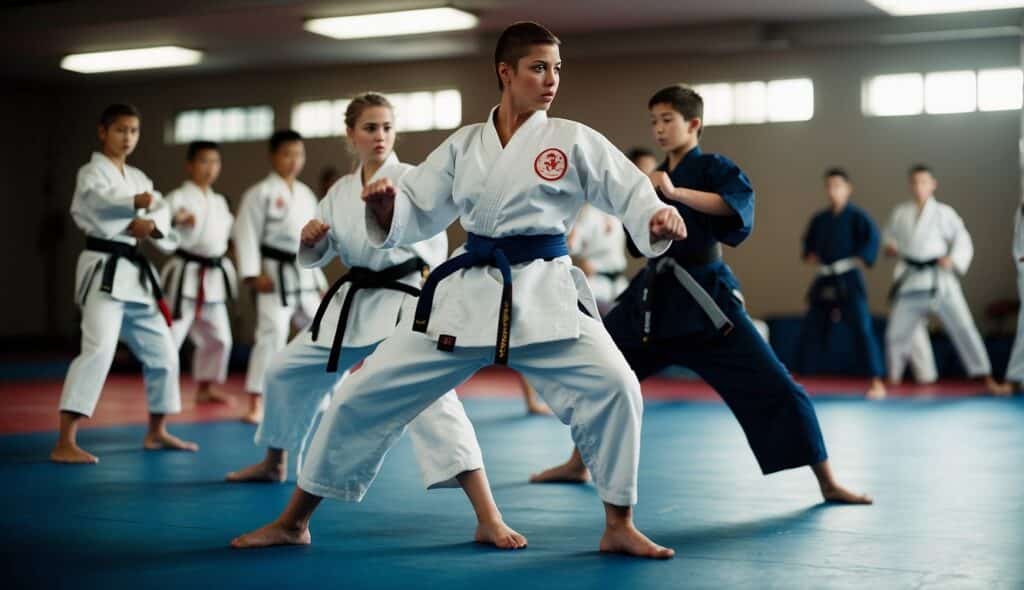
(266, 235)
(200, 278)
(117, 290)
(516, 182)
(361, 309)
(934, 246)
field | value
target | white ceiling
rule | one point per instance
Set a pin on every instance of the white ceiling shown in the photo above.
(238, 34)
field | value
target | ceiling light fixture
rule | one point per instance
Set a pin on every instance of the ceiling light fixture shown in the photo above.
(391, 24)
(131, 59)
(911, 7)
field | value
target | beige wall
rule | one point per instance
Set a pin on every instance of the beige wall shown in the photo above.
(975, 155)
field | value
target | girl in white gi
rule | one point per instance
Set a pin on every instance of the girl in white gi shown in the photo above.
(933, 246)
(117, 289)
(266, 237)
(1015, 370)
(516, 182)
(200, 278)
(359, 311)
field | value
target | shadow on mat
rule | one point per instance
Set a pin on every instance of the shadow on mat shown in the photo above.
(701, 535)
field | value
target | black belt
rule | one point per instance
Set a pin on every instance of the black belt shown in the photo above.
(283, 258)
(689, 259)
(677, 266)
(611, 276)
(912, 267)
(362, 278)
(500, 253)
(131, 253)
(205, 262)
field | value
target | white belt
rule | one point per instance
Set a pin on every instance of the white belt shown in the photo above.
(839, 267)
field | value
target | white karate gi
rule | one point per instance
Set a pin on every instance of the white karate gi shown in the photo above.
(534, 185)
(600, 239)
(272, 215)
(103, 207)
(938, 231)
(1015, 370)
(443, 437)
(209, 329)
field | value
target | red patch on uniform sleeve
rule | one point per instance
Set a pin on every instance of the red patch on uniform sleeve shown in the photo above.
(551, 164)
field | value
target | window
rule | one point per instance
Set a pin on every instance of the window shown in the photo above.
(776, 101)
(893, 95)
(414, 111)
(1000, 90)
(223, 124)
(950, 92)
(938, 93)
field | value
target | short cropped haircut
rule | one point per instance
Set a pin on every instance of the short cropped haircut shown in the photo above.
(282, 136)
(836, 171)
(515, 43)
(197, 146)
(918, 168)
(684, 100)
(114, 111)
(636, 153)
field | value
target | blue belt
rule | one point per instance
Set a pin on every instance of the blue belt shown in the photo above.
(498, 252)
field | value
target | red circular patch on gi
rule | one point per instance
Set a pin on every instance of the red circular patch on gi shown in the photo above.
(279, 203)
(551, 164)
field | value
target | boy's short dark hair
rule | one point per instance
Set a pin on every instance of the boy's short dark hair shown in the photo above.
(115, 111)
(515, 42)
(919, 168)
(282, 136)
(636, 153)
(684, 100)
(837, 171)
(197, 146)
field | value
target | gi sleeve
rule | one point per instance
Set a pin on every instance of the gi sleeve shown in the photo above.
(1018, 234)
(324, 250)
(868, 238)
(616, 186)
(729, 182)
(424, 205)
(961, 248)
(248, 232)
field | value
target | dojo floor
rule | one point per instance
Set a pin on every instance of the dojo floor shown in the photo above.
(946, 468)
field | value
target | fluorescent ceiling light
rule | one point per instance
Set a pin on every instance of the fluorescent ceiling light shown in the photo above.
(909, 7)
(130, 59)
(391, 24)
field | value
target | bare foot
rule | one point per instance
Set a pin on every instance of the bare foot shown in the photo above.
(499, 534)
(626, 539)
(568, 472)
(840, 495)
(252, 416)
(260, 472)
(212, 396)
(165, 441)
(72, 453)
(877, 390)
(538, 409)
(271, 535)
(998, 389)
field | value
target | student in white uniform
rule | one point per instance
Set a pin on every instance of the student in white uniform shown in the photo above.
(117, 289)
(359, 311)
(516, 183)
(934, 247)
(200, 278)
(266, 237)
(1015, 369)
(597, 244)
